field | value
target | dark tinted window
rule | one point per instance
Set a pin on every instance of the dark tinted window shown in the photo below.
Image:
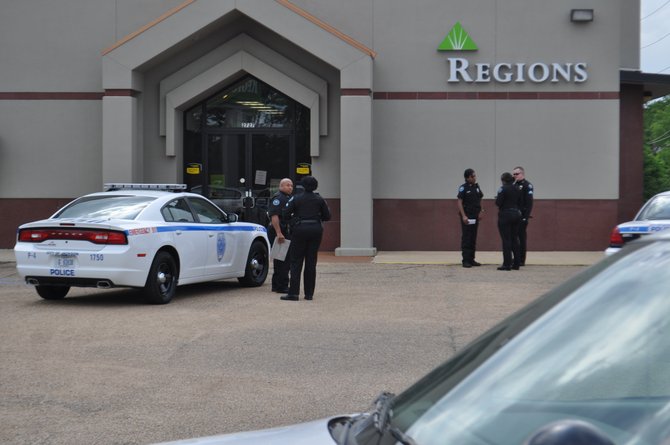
(207, 212)
(177, 211)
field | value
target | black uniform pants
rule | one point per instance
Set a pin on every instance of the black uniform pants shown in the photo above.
(508, 226)
(523, 226)
(468, 241)
(305, 242)
(281, 268)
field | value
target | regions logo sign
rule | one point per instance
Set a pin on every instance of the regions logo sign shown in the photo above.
(457, 40)
(461, 70)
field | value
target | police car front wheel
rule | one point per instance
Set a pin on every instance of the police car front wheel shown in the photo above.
(258, 263)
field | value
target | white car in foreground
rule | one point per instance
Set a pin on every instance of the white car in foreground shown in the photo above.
(586, 363)
(139, 235)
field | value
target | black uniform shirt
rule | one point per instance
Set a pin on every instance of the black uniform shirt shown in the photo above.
(508, 197)
(471, 195)
(526, 205)
(308, 206)
(276, 207)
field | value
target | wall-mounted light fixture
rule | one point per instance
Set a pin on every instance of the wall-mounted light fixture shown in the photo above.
(581, 15)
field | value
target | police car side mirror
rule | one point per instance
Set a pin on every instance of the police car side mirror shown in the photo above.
(232, 217)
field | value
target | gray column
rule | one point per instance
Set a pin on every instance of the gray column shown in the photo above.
(120, 156)
(356, 176)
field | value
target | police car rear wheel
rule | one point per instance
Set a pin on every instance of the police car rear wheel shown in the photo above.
(52, 292)
(257, 265)
(162, 280)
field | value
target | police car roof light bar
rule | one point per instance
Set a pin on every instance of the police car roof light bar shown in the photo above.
(110, 187)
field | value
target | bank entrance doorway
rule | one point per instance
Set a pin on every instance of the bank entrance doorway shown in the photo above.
(241, 142)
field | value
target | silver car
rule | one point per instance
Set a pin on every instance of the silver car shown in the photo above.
(587, 361)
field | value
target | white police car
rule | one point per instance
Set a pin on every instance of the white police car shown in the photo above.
(653, 217)
(139, 235)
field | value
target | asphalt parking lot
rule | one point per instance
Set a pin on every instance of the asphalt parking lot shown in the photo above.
(101, 368)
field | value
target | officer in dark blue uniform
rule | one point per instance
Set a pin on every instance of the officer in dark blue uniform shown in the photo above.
(469, 211)
(278, 230)
(306, 212)
(526, 208)
(508, 201)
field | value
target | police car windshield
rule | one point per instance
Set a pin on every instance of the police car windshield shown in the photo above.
(106, 207)
(657, 208)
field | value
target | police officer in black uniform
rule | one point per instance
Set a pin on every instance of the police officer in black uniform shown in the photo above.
(469, 211)
(306, 212)
(278, 230)
(526, 208)
(508, 201)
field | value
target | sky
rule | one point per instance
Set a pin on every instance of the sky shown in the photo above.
(655, 36)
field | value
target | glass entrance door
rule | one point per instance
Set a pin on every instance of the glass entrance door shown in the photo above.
(243, 171)
(240, 142)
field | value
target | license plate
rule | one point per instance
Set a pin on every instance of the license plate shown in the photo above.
(64, 262)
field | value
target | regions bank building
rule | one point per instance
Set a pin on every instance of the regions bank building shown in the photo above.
(386, 103)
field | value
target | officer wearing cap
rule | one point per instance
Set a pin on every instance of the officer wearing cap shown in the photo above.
(526, 207)
(278, 230)
(469, 211)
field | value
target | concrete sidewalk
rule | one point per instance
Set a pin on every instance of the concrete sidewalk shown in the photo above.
(490, 258)
(553, 258)
(426, 257)
(430, 257)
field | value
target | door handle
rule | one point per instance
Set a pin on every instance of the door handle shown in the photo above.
(178, 232)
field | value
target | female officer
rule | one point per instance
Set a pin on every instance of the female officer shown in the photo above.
(509, 216)
(305, 212)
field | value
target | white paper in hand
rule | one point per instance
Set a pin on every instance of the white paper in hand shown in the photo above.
(279, 250)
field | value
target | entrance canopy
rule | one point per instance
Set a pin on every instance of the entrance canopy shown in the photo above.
(182, 47)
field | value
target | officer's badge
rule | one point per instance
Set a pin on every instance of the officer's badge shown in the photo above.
(275, 202)
(461, 189)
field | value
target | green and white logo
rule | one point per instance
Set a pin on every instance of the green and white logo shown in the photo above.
(457, 40)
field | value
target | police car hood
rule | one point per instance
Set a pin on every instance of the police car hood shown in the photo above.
(644, 227)
(310, 433)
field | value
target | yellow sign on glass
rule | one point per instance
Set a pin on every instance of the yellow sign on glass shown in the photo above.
(303, 169)
(193, 169)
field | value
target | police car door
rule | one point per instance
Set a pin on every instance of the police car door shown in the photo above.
(221, 243)
(188, 240)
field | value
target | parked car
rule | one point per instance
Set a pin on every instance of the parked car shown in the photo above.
(653, 217)
(139, 235)
(588, 362)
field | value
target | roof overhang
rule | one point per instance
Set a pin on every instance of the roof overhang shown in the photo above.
(125, 61)
(654, 85)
